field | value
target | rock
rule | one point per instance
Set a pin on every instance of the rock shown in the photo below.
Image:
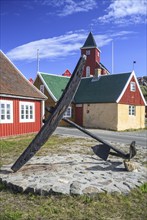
(130, 166)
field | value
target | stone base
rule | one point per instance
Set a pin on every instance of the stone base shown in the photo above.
(73, 174)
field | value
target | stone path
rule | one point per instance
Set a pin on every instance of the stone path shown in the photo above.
(73, 174)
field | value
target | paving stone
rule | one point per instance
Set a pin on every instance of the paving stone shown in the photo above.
(72, 174)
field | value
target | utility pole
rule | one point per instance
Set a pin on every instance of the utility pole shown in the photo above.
(37, 60)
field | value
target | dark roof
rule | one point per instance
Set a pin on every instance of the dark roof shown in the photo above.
(90, 41)
(12, 82)
(105, 89)
(56, 84)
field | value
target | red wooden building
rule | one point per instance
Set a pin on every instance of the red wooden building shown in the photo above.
(21, 103)
(93, 66)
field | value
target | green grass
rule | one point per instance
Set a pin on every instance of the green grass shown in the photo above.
(17, 206)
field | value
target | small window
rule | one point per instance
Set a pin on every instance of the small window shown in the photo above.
(87, 71)
(132, 110)
(132, 87)
(27, 111)
(42, 88)
(6, 111)
(87, 52)
(68, 113)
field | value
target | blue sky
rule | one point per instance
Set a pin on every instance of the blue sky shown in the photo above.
(59, 28)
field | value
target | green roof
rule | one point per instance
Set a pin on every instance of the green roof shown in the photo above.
(56, 84)
(90, 41)
(104, 89)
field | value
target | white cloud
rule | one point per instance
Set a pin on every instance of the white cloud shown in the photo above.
(68, 7)
(61, 46)
(125, 12)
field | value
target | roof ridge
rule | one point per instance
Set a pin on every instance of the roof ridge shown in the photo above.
(52, 74)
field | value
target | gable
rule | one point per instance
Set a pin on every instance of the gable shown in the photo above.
(132, 97)
(13, 83)
(54, 84)
(104, 89)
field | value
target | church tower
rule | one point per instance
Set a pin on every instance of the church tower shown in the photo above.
(93, 66)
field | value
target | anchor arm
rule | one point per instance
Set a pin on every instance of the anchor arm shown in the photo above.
(104, 153)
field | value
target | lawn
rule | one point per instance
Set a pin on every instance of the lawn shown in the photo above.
(103, 206)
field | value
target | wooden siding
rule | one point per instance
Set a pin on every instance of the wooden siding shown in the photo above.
(130, 97)
(17, 127)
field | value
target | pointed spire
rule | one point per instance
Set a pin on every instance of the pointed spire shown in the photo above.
(90, 41)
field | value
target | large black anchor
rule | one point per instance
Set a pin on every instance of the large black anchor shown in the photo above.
(57, 114)
(103, 151)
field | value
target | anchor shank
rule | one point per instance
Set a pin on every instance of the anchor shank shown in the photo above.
(119, 152)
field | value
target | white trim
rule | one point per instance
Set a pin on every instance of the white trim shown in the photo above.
(27, 104)
(51, 74)
(123, 91)
(6, 121)
(19, 97)
(43, 111)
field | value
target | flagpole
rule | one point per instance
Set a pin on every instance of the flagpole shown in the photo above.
(112, 57)
(133, 64)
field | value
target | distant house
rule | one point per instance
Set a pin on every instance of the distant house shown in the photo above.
(112, 102)
(67, 73)
(21, 103)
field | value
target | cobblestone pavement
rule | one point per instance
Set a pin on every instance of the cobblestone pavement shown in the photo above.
(71, 172)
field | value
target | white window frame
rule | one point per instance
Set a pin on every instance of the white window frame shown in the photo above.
(132, 110)
(132, 86)
(87, 71)
(68, 113)
(42, 88)
(87, 52)
(26, 108)
(6, 111)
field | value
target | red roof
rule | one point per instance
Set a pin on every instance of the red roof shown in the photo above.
(66, 73)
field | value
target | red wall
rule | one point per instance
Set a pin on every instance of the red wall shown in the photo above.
(91, 60)
(17, 127)
(132, 98)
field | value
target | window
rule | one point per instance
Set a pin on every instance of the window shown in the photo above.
(6, 111)
(132, 110)
(42, 88)
(27, 111)
(68, 112)
(132, 86)
(87, 52)
(88, 71)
